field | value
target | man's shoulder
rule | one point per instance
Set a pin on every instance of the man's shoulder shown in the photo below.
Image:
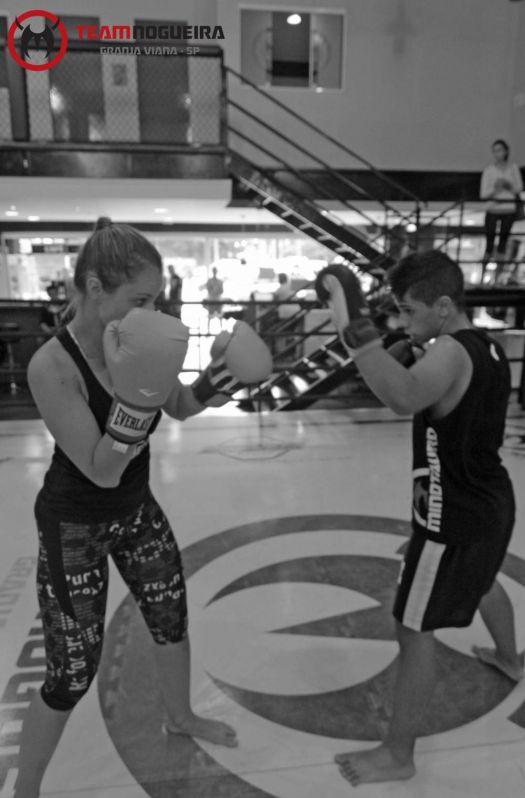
(447, 356)
(446, 344)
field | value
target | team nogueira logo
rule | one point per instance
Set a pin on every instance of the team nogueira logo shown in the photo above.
(34, 33)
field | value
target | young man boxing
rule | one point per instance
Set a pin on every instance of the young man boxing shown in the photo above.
(463, 501)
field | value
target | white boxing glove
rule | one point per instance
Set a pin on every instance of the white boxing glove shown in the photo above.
(238, 359)
(144, 353)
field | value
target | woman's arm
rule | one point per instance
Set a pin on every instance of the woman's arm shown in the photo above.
(516, 179)
(57, 393)
(181, 403)
(488, 184)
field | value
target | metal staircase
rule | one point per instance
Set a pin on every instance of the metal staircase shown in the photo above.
(299, 386)
(314, 376)
(287, 193)
(306, 217)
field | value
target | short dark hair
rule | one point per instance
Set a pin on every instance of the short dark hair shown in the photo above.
(114, 253)
(428, 276)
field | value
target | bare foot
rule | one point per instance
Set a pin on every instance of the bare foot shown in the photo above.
(213, 731)
(514, 670)
(376, 764)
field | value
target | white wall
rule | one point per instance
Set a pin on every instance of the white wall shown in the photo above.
(517, 131)
(427, 85)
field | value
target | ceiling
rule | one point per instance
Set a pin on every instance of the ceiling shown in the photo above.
(169, 202)
(62, 199)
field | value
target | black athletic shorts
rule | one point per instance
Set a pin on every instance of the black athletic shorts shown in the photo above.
(442, 585)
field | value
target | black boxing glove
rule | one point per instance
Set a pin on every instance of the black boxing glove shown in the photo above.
(338, 287)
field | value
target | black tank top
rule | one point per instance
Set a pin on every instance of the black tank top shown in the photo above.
(67, 492)
(462, 492)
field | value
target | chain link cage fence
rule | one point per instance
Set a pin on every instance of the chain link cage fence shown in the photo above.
(145, 94)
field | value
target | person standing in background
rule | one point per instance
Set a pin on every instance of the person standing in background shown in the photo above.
(501, 184)
(174, 292)
(214, 287)
(51, 316)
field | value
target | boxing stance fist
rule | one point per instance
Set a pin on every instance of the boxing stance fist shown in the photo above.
(339, 288)
(144, 353)
(404, 352)
(238, 359)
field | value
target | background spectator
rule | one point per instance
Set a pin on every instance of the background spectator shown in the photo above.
(501, 184)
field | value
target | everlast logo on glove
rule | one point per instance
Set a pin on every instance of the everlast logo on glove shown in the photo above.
(127, 426)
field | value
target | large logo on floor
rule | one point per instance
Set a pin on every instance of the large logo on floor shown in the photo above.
(293, 644)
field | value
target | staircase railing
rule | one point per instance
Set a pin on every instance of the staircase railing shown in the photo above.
(403, 191)
(340, 179)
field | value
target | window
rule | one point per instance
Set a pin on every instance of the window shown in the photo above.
(292, 48)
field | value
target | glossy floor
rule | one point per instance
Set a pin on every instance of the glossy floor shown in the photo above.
(291, 528)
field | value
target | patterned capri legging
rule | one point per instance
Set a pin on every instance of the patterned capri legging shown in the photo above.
(72, 582)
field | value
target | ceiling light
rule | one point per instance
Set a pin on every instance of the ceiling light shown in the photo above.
(294, 19)
(160, 210)
(11, 213)
(33, 218)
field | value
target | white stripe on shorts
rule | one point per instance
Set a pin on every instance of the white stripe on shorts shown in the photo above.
(422, 585)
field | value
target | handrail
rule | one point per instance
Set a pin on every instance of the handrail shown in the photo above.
(393, 183)
(370, 240)
(107, 146)
(313, 157)
(441, 214)
(295, 172)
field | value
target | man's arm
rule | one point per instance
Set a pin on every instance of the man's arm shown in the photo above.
(408, 391)
(405, 390)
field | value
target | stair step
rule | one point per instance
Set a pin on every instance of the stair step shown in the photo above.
(321, 374)
(299, 383)
(309, 371)
(305, 215)
(279, 393)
